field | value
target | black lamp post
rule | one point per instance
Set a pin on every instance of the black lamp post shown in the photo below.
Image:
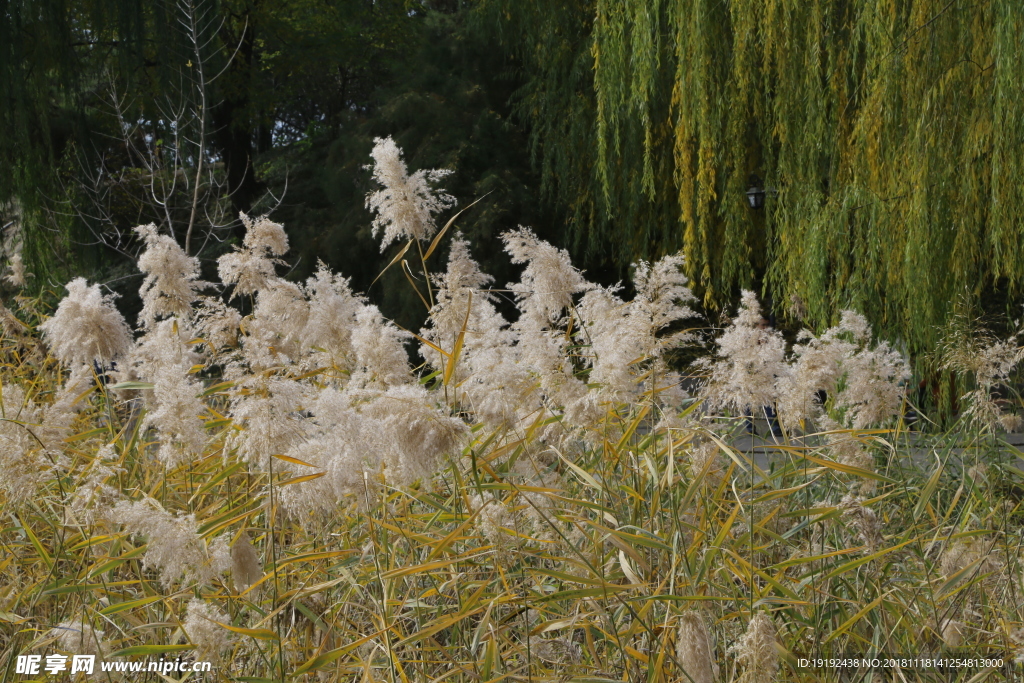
(755, 192)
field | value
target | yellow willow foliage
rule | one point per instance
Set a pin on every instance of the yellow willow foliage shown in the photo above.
(891, 130)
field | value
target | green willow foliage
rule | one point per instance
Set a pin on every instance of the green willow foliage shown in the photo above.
(892, 132)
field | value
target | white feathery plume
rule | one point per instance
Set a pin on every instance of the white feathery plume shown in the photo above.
(93, 498)
(542, 349)
(499, 390)
(266, 411)
(172, 545)
(493, 516)
(405, 204)
(971, 349)
(489, 377)
(756, 651)
(164, 358)
(874, 386)
(750, 361)
(277, 323)
(662, 295)
(250, 268)
(615, 338)
(172, 278)
(22, 466)
(694, 650)
(520, 520)
(327, 336)
(16, 276)
(264, 235)
(86, 328)
(217, 323)
(271, 343)
(342, 444)
(549, 281)
(32, 435)
(459, 291)
(703, 460)
(202, 626)
(166, 342)
(817, 367)
(78, 637)
(355, 434)
(247, 270)
(381, 358)
(864, 382)
(413, 434)
(543, 294)
(58, 416)
(624, 337)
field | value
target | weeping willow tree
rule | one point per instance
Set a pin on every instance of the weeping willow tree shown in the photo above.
(890, 134)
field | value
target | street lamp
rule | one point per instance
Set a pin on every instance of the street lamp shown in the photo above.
(755, 191)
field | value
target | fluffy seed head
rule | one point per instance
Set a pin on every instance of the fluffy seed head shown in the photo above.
(172, 277)
(866, 522)
(549, 281)
(417, 434)
(332, 316)
(378, 345)
(756, 652)
(16, 275)
(751, 357)
(694, 649)
(165, 359)
(202, 626)
(250, 268)
(173, 546)
(953, 633)
(217, 323)
(245, 563)
(264, 235)
(94, 497)
(78, 637)
(22, 466)
(405, 204)
(86, 327)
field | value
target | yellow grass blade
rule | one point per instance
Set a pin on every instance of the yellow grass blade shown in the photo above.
(442, 231)
(854, 619)
(398, 257)
(305, 477)
(842, 569)
(295, 461)
(848, 469)
(325, 658)
(412, 283)
(259, 633)
(457, 351)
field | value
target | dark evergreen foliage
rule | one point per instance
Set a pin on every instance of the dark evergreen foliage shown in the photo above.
(888, 137)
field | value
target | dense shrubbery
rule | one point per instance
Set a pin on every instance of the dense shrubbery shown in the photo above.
(283, 492)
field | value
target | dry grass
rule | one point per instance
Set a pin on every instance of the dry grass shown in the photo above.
(585, 523)
(581, 565)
